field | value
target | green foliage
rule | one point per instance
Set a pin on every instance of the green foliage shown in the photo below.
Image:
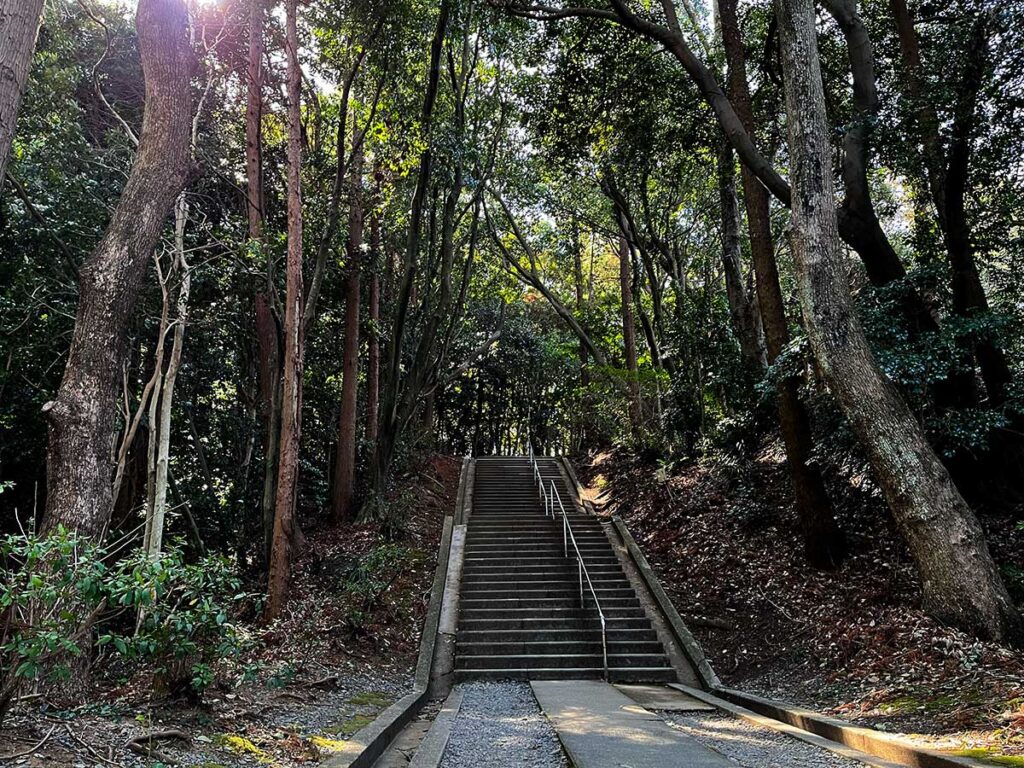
(368, 580)
(64, 595)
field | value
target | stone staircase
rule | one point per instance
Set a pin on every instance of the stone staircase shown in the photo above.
(520, 614)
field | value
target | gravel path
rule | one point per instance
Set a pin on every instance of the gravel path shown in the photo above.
(752, 746)
(501, 726)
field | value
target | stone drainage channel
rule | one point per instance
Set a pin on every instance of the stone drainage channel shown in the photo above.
(501, 725)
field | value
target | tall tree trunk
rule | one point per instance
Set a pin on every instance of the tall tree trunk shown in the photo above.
(279, 581)
(345, 454)
(79, 466)
(746, 319)
(253, 120)
(268, 339)
(577, 273)
(629, 336)
(959, 580)
(824, 542)
(373, 336)
(19, 25)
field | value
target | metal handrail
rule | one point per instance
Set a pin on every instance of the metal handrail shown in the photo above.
(567, 536)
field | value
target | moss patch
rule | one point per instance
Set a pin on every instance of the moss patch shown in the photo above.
(242, 746)
(991, 756)
(906, 704)
(370, 699)
(330, 745)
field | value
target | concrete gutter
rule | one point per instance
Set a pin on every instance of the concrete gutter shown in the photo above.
(370, 743)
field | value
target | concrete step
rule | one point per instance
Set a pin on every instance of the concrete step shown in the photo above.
(559, 647)
(614, 634)
(563, 590)
(568, 600)
(540, 549)
(478, 623)
(557, 661)
(545, 612)
(542, 561)
(617, 675)
(486, 571)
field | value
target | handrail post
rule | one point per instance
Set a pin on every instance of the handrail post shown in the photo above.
(604, 646)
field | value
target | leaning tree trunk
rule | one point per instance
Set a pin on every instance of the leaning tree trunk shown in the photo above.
(959, 580)
(345, 453)
(824, 542)
(19, 25)
(279, 581)
(79, 467)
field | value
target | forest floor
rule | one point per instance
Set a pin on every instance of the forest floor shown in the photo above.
(853, 643)
(340, 657)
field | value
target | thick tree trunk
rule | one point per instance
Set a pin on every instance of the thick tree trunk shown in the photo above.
(79, 466)
(745, 317)
(824, 542)
(959, 580)
(345, 452)
(19, 25)
(279, 581)
(629, 336)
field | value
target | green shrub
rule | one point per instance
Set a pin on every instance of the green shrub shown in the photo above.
(61, 596)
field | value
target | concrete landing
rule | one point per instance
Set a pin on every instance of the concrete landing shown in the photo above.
(661, 697)
(601, 727)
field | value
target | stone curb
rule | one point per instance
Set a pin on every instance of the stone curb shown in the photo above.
(432, 747)
(790, 730)
(370, 743)
(868, 740)
(687, 642)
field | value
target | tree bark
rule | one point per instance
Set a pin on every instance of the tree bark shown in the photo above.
(279, 581)
(629, 336)
(19, 26)
(81, 417)
(253, 120)
(345, 453)
(746, 320)
(824, 542)
(959, 580)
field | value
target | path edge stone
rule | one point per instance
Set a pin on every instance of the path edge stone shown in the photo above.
(432, 748)
(806, 724)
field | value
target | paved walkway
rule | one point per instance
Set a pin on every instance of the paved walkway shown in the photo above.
(601, 727)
